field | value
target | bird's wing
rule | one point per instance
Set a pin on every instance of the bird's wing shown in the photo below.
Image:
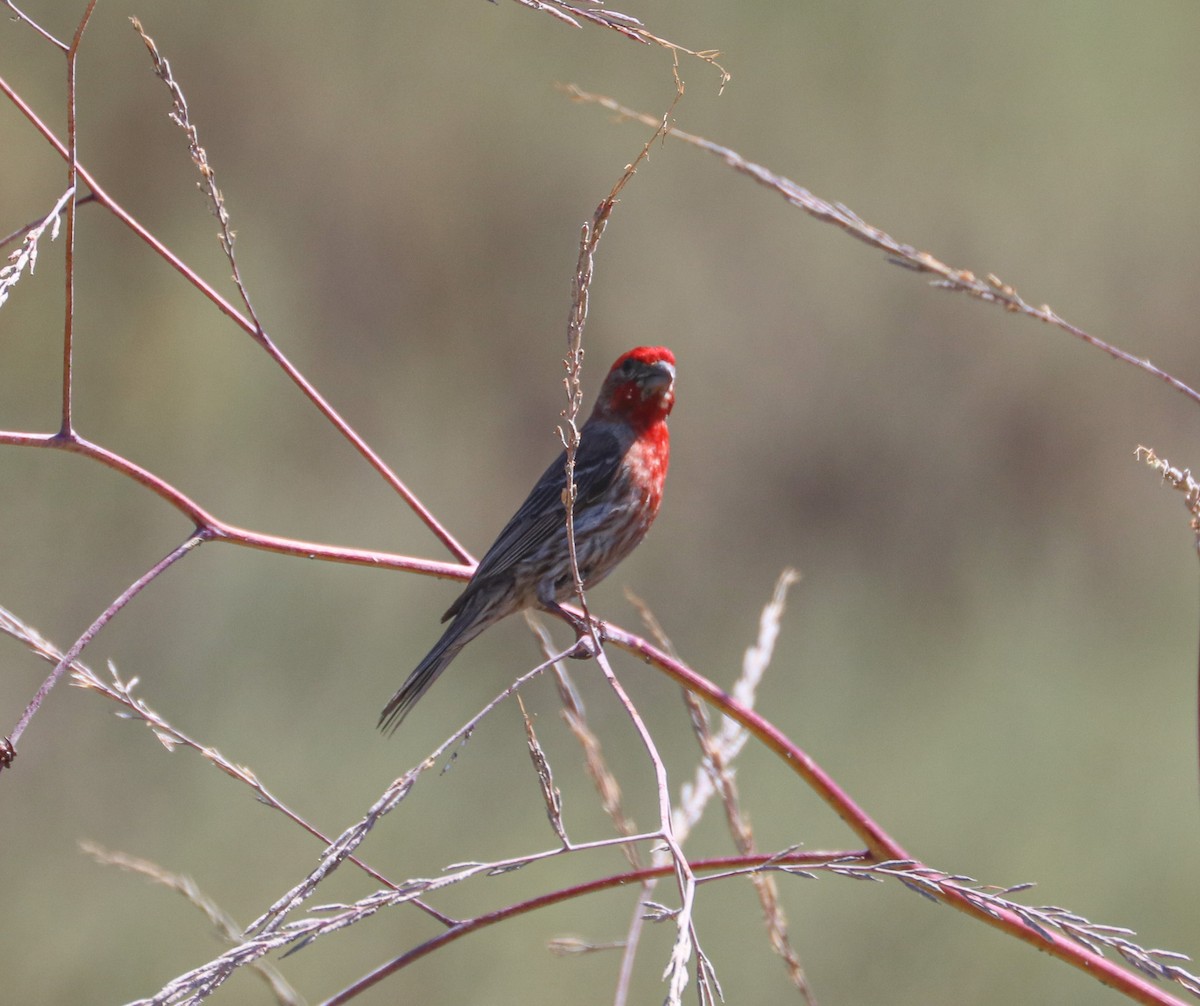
(597, 462)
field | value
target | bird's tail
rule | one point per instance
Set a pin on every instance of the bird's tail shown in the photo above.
(465, 627)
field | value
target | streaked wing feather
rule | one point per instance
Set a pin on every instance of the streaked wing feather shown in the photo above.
(597, 462)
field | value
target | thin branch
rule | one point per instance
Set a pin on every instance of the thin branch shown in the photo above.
(207, 528)
(219, 530)
(881, 844)
(589, 241)
(69, 241)
(609, 791)
(167, 734)
(106, 616)
(573, 712)
(1043, 925)
(25, 18)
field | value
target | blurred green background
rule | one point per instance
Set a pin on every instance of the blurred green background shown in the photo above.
(994, 644)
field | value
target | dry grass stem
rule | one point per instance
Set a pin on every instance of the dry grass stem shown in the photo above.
(575, 716)
(676, 972)
(25, 257)
(342, 847)
(114, 608)
(550, 793)
(208, 182)
(1095, 937)
(222, 923)
(19, 15)
(990, 289)
(715, 775)
(1179, 479)
(626, 25)
(725, 744)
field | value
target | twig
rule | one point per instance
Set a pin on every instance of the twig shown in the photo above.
(219, 530)
(323, 920)
(26, 19)
(589, 240)
(573, 712)
(26, 256)
(609, 791)
(68, 398)
(686, 940)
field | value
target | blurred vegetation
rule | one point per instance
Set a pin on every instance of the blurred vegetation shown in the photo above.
(994, 644)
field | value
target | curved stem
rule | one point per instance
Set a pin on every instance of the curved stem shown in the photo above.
(219, 530)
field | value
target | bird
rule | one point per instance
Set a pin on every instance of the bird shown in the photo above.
(620, 466)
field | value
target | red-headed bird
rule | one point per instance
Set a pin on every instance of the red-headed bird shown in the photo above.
(620, 467)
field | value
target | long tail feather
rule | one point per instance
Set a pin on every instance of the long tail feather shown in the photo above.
(475, 616)
(418, 682)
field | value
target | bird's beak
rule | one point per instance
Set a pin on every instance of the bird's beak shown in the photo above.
(659, 375)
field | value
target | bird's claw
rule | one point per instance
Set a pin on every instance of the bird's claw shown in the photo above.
(585, 647)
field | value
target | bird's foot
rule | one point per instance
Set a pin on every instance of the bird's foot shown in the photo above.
(585, 638)
(585, 647)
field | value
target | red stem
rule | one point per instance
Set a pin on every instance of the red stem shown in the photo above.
(219, 530)
(73, 188)
(1103, 970)
(310, 392)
